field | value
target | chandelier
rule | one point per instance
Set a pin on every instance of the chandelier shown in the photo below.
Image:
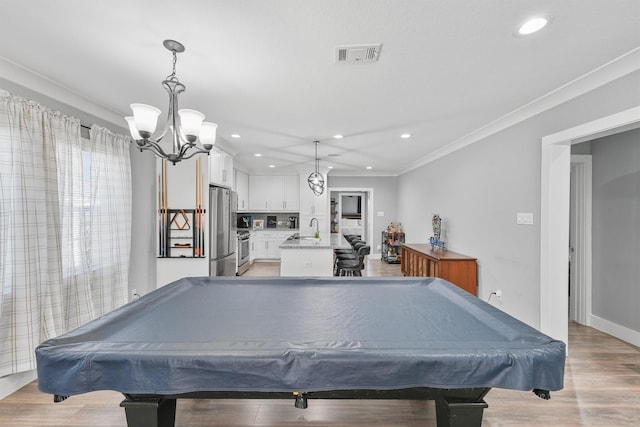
(315, 180)
(186, 127)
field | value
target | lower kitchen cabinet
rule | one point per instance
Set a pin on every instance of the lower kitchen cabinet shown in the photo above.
(423, 261)
(267, 244)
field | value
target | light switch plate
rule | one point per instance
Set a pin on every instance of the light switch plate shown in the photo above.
(524, 218)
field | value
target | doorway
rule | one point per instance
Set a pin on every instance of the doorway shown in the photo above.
(352, 212)
(554, 214)
(580, 239)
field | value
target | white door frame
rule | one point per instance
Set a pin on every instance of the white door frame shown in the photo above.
(554, 214)
(581, 171)
(369, 206)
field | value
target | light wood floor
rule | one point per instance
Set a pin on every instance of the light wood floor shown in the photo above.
(602, 388)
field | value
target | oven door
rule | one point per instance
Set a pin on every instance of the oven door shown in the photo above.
(243, 254)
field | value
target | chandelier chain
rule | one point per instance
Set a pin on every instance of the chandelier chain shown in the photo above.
(172, 76)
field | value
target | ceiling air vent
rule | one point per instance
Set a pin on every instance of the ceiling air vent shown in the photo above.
(357, 53)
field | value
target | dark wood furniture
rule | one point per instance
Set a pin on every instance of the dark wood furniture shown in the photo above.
(422, 260)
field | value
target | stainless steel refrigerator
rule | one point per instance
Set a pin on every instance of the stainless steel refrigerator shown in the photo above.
(223, 206)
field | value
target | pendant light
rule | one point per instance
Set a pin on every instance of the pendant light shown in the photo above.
(186, 127)
(316, 180)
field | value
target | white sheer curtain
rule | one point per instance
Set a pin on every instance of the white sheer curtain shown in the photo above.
(51, 276)
(110, 218)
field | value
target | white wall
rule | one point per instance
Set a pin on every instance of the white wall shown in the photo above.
(479, 189)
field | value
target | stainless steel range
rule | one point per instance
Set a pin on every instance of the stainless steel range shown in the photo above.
(243, 251)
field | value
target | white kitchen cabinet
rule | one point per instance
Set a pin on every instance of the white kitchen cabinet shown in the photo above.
(274, 193)
(242, 188)
(267, 243)
(291, 193)
(220, 168)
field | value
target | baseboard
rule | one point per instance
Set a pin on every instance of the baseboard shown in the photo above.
(15, 382)
(613, 329)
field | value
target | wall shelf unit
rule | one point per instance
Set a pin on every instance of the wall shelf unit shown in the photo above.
(181, 233)
(391, 243)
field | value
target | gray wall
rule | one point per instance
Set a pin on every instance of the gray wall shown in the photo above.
(616, 228)
(384, 199)
(478, 191)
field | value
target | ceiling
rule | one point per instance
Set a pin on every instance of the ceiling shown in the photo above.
(266, 69)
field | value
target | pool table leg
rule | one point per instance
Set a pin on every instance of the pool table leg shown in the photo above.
(460, 413)
(155, 412)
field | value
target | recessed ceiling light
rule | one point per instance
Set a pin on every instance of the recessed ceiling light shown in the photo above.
(329, 167)
(235, 135)
(338, 136)
(272, 166)
(405, 135)
(533, 25)
(369, 167)
(258, 155)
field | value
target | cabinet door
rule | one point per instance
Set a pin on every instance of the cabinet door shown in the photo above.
(215, 166)
(291, 193)
(242, 188)
(227, 170)
(266, 193)
(258, 193)
(260, 247)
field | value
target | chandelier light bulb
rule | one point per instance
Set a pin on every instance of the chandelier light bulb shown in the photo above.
(208, 134)
(146, 119)
(132, 128)
(190, 122)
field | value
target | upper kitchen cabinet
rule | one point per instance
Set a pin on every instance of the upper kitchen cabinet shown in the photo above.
(274, 193)
(242, 188)
(291, 193)
(220, 168)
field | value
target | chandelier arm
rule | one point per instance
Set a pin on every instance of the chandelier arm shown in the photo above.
(154, 148)
(186, 146)
(198, 151)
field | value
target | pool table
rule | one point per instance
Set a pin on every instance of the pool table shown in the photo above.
(300, 338)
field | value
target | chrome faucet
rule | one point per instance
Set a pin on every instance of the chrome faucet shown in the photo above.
(317, 232)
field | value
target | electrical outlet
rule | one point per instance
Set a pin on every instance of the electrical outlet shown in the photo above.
(134, 294)
(498, 293)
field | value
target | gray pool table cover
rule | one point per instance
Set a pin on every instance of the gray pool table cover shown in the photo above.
(300, 334)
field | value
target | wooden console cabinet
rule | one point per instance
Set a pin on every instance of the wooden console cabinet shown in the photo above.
(423, 261)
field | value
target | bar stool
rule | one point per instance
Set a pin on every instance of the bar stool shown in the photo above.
(353, 267)
(346, 254)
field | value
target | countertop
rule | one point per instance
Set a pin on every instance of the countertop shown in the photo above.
(326, 241)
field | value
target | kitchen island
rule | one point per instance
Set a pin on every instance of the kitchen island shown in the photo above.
(309, 256)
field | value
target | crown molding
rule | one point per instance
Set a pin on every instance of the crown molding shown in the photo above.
(31, 80)
(606, 73)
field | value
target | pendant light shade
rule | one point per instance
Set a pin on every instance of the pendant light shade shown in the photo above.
(316, 180)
